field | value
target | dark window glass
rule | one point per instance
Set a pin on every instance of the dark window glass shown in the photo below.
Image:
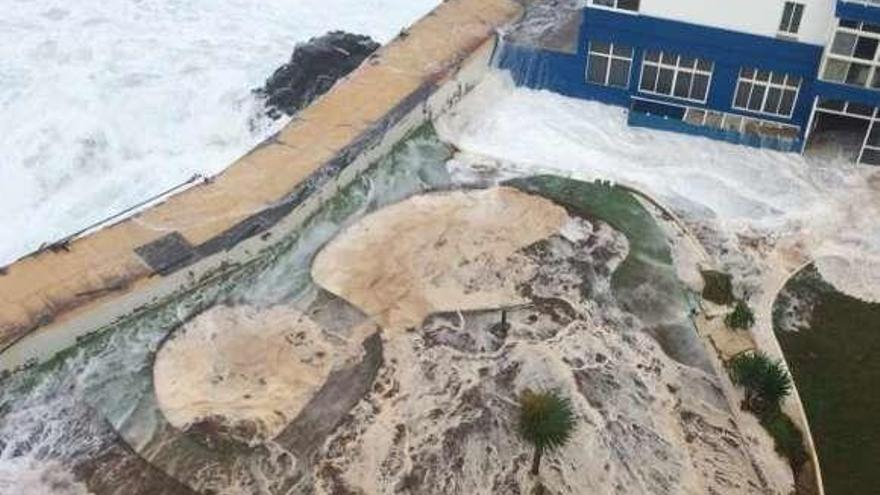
(858, 74)
(687, 62)
(628, 5)
(793, 81)
(778, 78)
(652, 56)
(704, 65)
(669, 58)
(664, 81)
(875, 82)
(831, 104)
(649, 78)
(600, 47)
(870, 157)
(597, 69)
(606, 3)
(874, 136)
(786, 16)
(683, 85)
(757, 98)
(866, 48)
(860, 109)
(871, 28)
(843, 43)
(622, 50)
(791, 17)
(619, 75)
(787, 104)
(763, 75)
(701, 87)
(774, 95)
(742, 94)
(796, 18)
(849, 24)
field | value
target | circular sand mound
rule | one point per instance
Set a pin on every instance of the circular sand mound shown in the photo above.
(242, 369)
(446, 251)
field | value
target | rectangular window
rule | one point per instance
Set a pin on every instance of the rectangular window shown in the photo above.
(766, 92)
(695, 116)
(631, 5)
(609, 64)
(853, 57)
(792, 14)
(713, 119)
(843, 107)
(675, 75)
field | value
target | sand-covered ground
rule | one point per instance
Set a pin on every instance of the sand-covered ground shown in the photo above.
(455, 251)
(441, 416)
(253, 368)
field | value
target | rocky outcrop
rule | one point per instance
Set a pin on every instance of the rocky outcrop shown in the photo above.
(313, 69)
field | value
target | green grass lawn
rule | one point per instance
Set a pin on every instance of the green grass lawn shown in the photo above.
(836, 367)
(646, 283)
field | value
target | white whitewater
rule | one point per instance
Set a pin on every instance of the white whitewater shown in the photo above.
(106, 103)
(823, 207)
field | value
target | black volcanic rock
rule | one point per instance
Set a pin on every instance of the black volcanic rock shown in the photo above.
(313, 69)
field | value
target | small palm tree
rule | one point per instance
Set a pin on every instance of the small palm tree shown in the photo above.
(546, 420)
(765, 381)
(742, 317)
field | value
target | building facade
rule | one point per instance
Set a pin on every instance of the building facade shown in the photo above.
(770, 73)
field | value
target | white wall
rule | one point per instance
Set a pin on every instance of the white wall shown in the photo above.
(760, 17)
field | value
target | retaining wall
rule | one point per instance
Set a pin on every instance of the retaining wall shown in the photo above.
(51, 298)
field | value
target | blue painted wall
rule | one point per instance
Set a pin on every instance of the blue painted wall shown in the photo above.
(856, 12)
(729, 50)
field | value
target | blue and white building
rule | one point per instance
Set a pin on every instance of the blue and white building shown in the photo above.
(773, 73)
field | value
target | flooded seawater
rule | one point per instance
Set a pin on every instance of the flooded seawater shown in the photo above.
(61, 416)
(422, 404)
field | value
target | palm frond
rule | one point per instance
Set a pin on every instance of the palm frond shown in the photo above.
(547, 420)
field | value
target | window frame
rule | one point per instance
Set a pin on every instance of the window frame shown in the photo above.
(857, 30)
(767, 86)
(732, 122)
(610, 58)
(677, 70)
(830, 106)
(615, 5)
(796, 13)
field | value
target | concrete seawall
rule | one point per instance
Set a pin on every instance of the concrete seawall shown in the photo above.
(50, 299)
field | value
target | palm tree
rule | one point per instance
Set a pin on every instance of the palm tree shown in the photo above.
(546, 420)
(742, 317)
(765, 381)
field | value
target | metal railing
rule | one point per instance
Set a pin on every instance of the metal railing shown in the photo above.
(63, 244)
